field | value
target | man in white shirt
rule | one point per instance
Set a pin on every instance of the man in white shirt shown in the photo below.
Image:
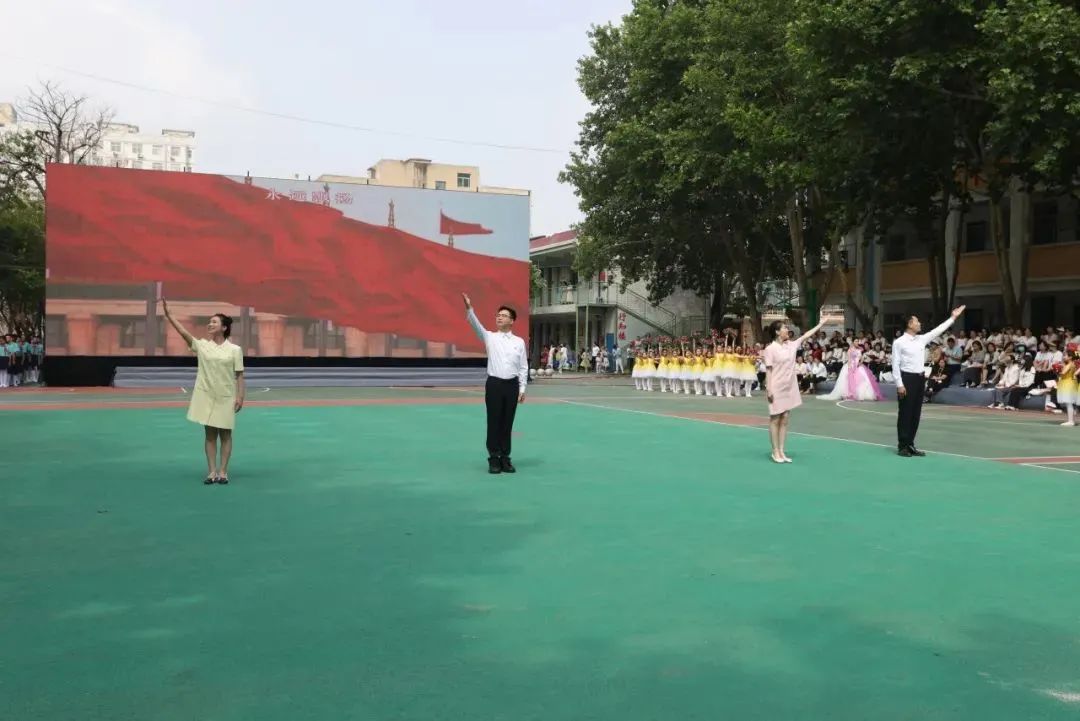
(508, 374)
(909, 357)
(620, 359)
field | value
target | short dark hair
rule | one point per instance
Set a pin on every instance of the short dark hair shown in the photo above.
(226, 323)
(907, 319)
(508, 309)
(774, 328)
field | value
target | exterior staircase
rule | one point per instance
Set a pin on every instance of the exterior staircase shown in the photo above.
(568, 299)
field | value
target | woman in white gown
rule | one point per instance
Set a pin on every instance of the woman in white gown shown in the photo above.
(855, 381)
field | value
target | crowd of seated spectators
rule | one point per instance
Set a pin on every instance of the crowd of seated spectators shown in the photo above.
(1012, 362)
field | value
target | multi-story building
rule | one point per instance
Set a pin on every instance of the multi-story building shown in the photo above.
(892, 274)
(123, 145)
(582, 311)
(422, 173)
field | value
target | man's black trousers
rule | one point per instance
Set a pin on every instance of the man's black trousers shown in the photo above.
(907, 419)
(501, 397)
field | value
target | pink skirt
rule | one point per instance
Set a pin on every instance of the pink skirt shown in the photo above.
(785, 398)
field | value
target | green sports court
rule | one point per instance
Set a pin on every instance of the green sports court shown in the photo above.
(647, 561)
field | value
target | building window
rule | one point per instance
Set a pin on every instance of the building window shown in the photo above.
(137, 164)
(133, 334)
(335, 338)
(187, 153)
(158, 166)
(464, 180)
(253, 335)
(895, 248)
(976, 237)
(56, 331)
(156, 150)
(136, 148)
(440, 185)
(407, 343)
(1045, 231)
(115, 147)
(311, 334)
(174, 151)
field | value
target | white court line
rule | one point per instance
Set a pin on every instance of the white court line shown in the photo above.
(1048, 468)
(955, 416)
(763, 428)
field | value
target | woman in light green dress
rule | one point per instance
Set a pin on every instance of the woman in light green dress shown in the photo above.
(219, 389)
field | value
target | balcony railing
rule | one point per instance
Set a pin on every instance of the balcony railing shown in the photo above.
(568, 297)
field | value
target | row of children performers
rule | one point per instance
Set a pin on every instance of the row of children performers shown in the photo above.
(727, 372)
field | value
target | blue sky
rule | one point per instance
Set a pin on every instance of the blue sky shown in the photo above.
(497, 71)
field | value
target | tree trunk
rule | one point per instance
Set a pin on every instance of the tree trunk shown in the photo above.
(797, 232)
(748, 279)
(934, 242)
(1026, 231)
(1013, 309)
(951, 300)
(720, 300)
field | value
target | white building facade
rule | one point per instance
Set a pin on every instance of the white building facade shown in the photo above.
(124, 145)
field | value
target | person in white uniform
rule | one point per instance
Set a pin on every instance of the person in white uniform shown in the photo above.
(507, 376)
(909, 360)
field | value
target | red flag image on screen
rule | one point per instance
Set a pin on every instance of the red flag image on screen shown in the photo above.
(449, 226)
(210, 238)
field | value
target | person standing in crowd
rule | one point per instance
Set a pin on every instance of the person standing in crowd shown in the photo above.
(14, 352)
(5, 363)
(781, 385)
(219, 390)
(620, 359)
(37, 356)
(507, 376)
(909, 360)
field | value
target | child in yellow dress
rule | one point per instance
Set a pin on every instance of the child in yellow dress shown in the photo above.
(747, 371)
(708, 373)
(675, 371)
(662, 371)
(648, 371)
(687, 371)
(728, 371)
(698, 371)
(1068, 387)
(638, 371)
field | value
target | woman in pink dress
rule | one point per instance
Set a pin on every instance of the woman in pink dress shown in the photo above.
(781, 384)
(855, 382)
